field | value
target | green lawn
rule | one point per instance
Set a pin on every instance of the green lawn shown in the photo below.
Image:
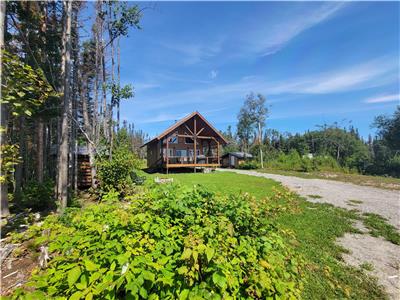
(316, 227)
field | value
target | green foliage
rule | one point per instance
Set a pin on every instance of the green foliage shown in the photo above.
(386, 147)
(119, 173)
(125, 16)
(251, 119)
(316, 227)
(294, 162)
(389, 129)
(170, 242)
(9, 158)
(38, 196)
(249, 165)
(380, 227)
(25, 89)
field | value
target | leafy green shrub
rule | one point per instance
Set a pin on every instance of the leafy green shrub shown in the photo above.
(290, 161)
(325, 163)
(294, 162)
(249, 165)
(118, 173)
(38, 196)
(169, 243)
(394, 166)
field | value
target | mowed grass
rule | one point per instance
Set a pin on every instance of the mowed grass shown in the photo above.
(316, 227)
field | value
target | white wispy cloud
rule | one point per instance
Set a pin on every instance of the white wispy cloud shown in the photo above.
(383, 99)
(141, 86)
(193, 52)
(161, 117)
(213, 74)
(373, 73)
(267, 39)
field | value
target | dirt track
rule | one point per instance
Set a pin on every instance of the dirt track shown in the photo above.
(383, 255)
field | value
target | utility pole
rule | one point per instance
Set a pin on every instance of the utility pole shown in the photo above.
(260, 140)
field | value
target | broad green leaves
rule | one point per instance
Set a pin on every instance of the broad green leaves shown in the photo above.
(73, 276)
(25, 88)
(171, 243)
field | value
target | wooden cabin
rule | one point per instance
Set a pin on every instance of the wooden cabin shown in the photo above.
(192, 142)
(235, 159)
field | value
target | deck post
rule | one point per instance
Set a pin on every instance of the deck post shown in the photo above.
(167, 154)
(218, 152)
(194, 143)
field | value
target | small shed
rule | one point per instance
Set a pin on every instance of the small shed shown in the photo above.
(234, 159)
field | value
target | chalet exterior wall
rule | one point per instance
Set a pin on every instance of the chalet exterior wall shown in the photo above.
(176, 148)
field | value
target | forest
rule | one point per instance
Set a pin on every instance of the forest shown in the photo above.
(60, 90)
(326, 148)
(126, 236)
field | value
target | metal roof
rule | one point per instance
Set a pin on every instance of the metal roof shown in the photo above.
(239, 154)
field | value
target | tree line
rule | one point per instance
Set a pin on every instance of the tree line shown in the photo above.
(378, 155)
(60, 89)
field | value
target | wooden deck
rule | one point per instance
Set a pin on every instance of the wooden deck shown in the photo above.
(192, 165)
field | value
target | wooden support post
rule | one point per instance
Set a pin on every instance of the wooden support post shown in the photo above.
(218, 152)
(167, 154)
(194, 144)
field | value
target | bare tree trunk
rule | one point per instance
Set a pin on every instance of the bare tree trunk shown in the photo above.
(119, 81)
(105, 127)
(4, 114)
(19, 167)
(39, 150)
(95, 128)
(74, 102)
(88, 129)
(62, 184)
(110, 18)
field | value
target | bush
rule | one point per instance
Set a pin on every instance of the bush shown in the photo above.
(169, 243)
(294, 162)
(326, 163)
(38, 196)
(249, 165)
(393, 168)
(119, 173)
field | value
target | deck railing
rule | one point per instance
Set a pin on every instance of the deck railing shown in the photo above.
(190, 160)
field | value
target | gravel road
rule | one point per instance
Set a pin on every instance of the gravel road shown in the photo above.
(374, 200)
(383, 255)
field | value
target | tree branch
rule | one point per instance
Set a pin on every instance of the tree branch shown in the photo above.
(83, 131)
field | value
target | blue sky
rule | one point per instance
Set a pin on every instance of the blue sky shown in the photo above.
(315, 62)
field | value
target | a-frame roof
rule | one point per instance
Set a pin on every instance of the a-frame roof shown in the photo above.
(182, 121)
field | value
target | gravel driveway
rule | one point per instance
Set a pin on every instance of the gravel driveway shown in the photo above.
(383, 255)
(374, 200)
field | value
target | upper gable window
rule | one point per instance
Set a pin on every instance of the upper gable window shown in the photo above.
(174, 139)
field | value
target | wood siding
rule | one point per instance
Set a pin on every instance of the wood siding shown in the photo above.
(180, 151)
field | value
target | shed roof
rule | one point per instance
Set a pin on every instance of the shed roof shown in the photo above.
(239, 154)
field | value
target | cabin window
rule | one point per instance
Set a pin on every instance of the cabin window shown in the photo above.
(191, 152)
(173, 140)
(189, 140)
(181, 153)
(170, 152)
